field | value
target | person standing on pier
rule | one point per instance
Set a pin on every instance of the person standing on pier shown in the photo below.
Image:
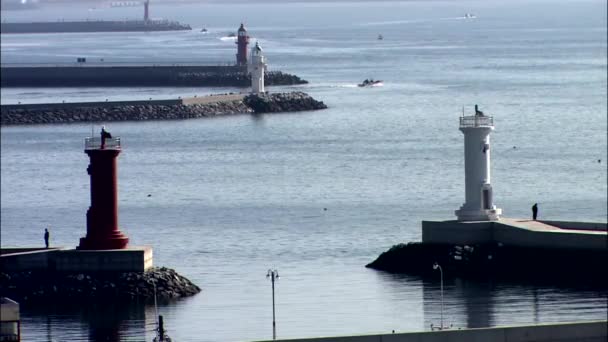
(534, 211)
(104, 135)
(46, 237)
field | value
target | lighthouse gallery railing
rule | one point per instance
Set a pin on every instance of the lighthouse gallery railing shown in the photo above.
(93, 143)
(476, 121)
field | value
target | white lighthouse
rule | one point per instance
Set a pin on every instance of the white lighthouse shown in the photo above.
(478, 204)
(256, 68)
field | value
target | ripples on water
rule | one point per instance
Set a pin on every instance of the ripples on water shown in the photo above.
(232, 197)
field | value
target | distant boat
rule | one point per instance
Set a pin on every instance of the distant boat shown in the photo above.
(370, 83)
(231, 35)
(380, 37)
(204, 30)
(469, 16)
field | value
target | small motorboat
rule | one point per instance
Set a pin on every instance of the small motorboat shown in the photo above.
(380, 37)
(370, 83)
(204, 30)
(469, 16)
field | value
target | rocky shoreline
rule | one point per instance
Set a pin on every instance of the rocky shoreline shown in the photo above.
(142, 110)
(496, 261)
(42, 286)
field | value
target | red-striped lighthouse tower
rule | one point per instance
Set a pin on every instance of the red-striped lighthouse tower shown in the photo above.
(242, 42)
(102, 216)
(146, 10)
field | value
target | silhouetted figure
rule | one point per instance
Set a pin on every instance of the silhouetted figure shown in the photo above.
(104, 135)
(478, 112)
(46, 237)
(534, 211)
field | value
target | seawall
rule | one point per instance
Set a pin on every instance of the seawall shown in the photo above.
(117, 75)
(93, 26)
(176, 109)
(57, 274)
(594, 331)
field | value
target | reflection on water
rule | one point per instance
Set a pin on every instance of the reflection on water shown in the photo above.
(102, 321)
(485, 303)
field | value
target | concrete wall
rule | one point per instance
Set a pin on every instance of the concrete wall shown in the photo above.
(25, 259)
(458, 233)
(37, 106)
(131, 259)
(509, 235)
(463, 233)
(577, 225)
(157, 74)
(563, 332)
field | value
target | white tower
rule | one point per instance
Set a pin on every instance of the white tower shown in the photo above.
(478, 190)
(256, 68)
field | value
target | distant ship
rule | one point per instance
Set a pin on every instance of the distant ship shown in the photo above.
(469, 16)
(95, 25)
(380, 37)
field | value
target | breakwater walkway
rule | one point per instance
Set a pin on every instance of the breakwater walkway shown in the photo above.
(111, 74)
(172, 109)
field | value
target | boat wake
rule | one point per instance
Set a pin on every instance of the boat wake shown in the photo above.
(227, 39)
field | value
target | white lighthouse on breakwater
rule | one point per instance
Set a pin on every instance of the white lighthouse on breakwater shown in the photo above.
(256, 68)
(479, 205)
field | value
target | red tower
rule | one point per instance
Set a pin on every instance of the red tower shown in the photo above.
(102, 216)
(146, 13)
(242, 41)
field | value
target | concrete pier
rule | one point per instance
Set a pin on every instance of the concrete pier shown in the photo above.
(594, 331)
(518, 232)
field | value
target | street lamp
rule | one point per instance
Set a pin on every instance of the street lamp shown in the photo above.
(273, 274)
(436, 266)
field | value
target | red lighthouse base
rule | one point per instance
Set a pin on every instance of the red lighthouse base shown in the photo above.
(114, 240)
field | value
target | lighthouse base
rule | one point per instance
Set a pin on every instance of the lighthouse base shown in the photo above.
(479, 214)
(115, 240)
(130, 259)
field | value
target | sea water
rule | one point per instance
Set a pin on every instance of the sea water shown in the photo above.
(318, 195)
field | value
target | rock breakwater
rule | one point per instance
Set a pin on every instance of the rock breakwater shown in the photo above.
(282, 102)
(234, 79)
(41, 286)
(496, 261)
(202, 107)
(106, 113)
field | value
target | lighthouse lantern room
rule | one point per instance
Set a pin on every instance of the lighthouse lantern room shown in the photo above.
(478, 204)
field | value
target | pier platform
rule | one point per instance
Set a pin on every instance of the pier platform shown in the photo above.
(519, 233)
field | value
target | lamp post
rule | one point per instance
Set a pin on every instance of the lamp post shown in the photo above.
(273, 274)
(436, 266)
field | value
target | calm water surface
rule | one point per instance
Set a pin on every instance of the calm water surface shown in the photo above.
(232, 197)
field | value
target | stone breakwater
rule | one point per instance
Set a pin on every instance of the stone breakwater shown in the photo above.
(496, 261)
(235, 79)
(202, 107)
(40, 286)
(282, 102)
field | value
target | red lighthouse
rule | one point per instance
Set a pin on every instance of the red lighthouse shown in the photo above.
(146, 12)
(102, 216)
(242, 41)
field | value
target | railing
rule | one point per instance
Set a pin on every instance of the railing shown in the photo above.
(476, 121)
(94, 143)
